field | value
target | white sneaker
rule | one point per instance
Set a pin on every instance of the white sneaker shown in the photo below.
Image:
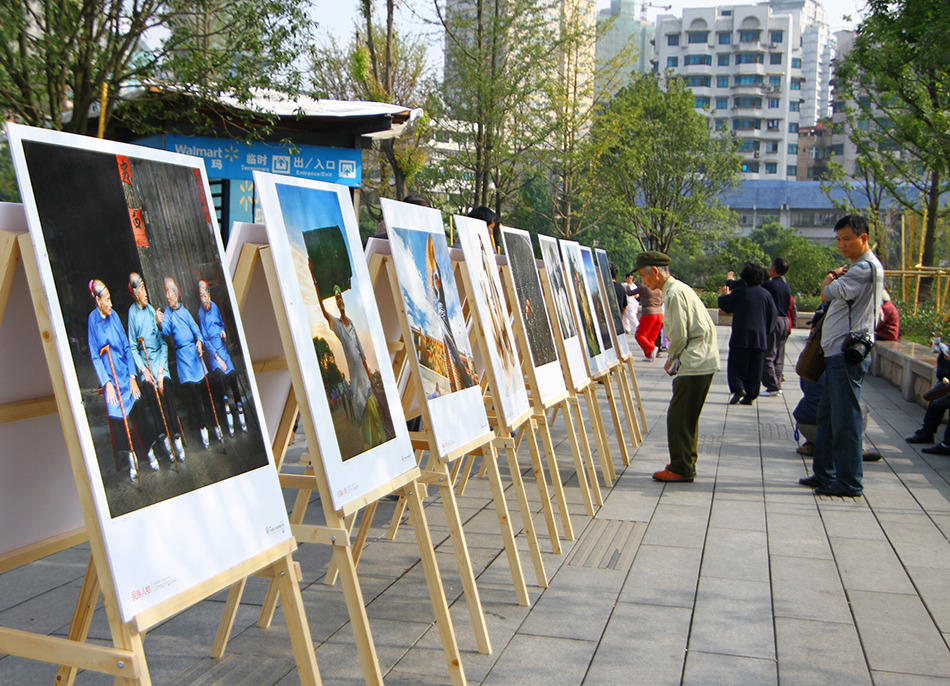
(241, 417)
(180, 449)
(217, 432)
(204, 438)
(653, 355)
(133, 472)
(152, 462)
(771, 394)
(227, 414)
(168, 448)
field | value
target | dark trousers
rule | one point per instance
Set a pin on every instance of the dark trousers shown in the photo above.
(682, 421)
(198, 404)
(934, 415)
(139, 428)
(221, 384)
(744, 371)
(774, 365)
(168, 406)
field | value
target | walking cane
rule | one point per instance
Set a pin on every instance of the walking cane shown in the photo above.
(211, 398)
(158, 397)
(125, 420)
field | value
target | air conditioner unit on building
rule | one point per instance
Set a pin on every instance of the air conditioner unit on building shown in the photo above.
(756, 154)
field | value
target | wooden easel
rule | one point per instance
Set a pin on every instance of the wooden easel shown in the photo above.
(579, 387)
(126, 658)
(336, 531)
(436, 470)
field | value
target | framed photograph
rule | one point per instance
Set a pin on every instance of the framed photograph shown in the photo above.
(533, 312)
(155, 363)
(433, 311)
(589, 311)
(610, 299)
(492, 312)
(563, 307)
(338, 338)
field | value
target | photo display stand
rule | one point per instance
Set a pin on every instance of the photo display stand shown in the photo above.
(540, 363)
(480, 291)
(262, 300)
(416, 351)
(125, 659)
(625, 374)
(573, 368)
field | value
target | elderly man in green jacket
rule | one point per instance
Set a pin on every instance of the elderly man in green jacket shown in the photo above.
(693, 359)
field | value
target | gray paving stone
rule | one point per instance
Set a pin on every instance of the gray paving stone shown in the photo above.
(898, 635)
(734, 554)
(663, 575)
(812, 652)
(894, 679)
(919, 543)
(797, 535)
(849, 520)
(540, 659)
(808, 588)
(677, 525)
(730, 513)
(931, 584)
(709, 669)
(870, 565)
(734, 618)
(577, 605)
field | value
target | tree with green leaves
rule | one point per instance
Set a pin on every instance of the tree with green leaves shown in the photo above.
(382, 65)
(56, 56)
(897, 77)
(660, 170)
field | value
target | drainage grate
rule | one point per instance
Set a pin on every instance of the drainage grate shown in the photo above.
(237, 670)
(608, 544)
(777, 432)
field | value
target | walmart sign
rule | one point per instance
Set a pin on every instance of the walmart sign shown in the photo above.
(228, 159)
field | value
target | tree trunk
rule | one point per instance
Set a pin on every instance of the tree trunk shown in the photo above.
(927, 258)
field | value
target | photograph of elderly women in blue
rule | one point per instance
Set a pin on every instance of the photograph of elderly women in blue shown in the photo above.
(140, 282)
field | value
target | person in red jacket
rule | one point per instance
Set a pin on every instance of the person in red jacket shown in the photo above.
(889, 328)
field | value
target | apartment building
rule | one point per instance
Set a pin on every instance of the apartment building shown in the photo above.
(759, 71)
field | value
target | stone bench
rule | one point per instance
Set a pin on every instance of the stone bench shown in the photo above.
(908, 366)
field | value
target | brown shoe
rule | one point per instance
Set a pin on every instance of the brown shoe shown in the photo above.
(806, 448)
(667, 475)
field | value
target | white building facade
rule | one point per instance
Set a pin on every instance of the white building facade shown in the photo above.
(626, 33)
(759, 71)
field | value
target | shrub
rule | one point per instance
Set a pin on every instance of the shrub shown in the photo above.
(921, 327)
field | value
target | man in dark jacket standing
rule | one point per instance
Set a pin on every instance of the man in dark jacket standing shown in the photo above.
(774, 364)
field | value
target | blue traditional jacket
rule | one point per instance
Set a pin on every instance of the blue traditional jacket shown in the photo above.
(180, 327)
(108, 331)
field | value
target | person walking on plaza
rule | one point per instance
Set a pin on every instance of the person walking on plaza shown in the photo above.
(854, 294)
(693, 359)
(774, 365)
(651, 319)
(753, 319)
(631, 319)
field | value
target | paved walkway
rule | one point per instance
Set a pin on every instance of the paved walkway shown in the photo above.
(743, 577)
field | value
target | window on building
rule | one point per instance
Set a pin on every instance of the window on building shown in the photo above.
(746, 124)
(864, 124)
(701, 102)
(697, 36)
(749, 80)
(771, 146)
(837, 149)
(771, 167)
(796, 84)
(793, 127)
(724, 37)
(722, 60)
(672, 39)
(672, 61)
(792, 170)
(750, 167)
(772, 124)
(750, 58)
(775, 58)
(722, 82)
(774, 103)
(726, 13)
(746, 101)
(776, 36)
(690, 60)
(722, 125)
(796, 63)
(747, 145)
(749, 35)
(793, 148)
(794, 106)
(775, 80)
(699, 81)
(722, 103)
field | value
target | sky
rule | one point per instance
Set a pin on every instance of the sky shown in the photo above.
(337, 17)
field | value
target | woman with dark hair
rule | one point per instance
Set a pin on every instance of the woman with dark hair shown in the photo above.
(753, 318)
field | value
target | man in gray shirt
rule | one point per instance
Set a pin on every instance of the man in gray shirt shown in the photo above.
(855, 296)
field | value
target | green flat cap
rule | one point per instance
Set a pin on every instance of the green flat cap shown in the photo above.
(652, 258)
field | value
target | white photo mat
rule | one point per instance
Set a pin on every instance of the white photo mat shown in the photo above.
(564, 307)
(291, 207)
(613, 307)
(164, 549)
(582, 300)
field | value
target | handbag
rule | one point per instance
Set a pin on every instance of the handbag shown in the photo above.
(811, 361)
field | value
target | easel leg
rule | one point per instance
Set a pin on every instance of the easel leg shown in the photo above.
(397, 517)
(518, 485)
(581, 475)
(623, 384)
(230, 613)
(556, 476)
(574, 417)
(490, 460)
(356, 609)
(332, 570)
(463, 560)
(615, 415)
(636, 390)
(466, 464)
(123, 638)
(597, 421)
(300, 639)
(443, 620)
(82, 620)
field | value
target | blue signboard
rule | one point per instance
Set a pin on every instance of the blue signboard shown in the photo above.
(230, 159)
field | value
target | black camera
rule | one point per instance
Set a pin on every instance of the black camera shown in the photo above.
(856, 346)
